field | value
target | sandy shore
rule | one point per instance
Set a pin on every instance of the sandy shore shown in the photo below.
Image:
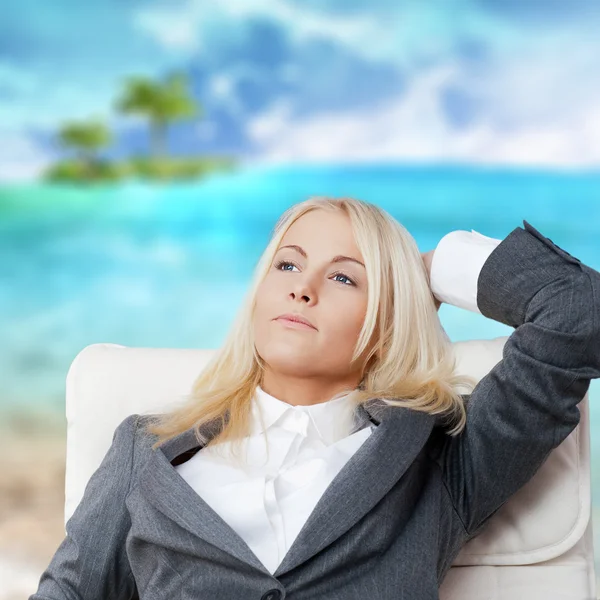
(32, 477)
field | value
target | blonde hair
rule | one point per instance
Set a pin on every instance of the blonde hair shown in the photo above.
(410, 362)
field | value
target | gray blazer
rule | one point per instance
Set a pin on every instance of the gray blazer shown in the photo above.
(395, 517)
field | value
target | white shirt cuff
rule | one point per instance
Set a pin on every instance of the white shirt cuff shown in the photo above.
(457, 261)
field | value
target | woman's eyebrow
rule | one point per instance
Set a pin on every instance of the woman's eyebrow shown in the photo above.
(335, 259)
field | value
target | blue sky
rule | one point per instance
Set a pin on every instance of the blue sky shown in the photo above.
(487, 81)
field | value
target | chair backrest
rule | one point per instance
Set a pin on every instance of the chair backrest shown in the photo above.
(546, 526)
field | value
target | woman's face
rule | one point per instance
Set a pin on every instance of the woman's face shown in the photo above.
(332, 295)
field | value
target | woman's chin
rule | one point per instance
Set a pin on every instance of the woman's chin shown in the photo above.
(286, 356)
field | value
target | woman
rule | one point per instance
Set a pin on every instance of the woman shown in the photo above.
(363, 469)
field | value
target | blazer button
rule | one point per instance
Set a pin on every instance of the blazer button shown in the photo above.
(272, 595)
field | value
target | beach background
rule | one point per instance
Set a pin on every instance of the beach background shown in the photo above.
(148, 148)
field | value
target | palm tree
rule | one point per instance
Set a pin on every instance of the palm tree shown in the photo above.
(161, 103)
(86, 137)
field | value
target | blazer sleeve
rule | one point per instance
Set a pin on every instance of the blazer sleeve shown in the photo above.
(91, 563)
(527, 404)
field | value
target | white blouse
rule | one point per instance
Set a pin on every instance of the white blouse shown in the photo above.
(268, 501)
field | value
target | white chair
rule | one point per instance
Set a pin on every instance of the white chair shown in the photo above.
(538, 546)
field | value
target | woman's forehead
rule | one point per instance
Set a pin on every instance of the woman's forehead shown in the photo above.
(321, 229)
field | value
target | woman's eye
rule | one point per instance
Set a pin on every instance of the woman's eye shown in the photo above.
(345, 277)
(282, 263)
(286, 263)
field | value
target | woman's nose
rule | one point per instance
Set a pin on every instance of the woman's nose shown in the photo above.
(303, 290)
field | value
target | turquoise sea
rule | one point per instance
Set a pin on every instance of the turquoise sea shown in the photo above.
(167, 265)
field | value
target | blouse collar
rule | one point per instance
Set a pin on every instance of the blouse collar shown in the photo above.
(332, 419)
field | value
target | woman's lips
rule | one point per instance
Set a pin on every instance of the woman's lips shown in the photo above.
(293, 324)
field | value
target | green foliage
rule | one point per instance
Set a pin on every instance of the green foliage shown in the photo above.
(181, 168)
(160, 102)
(78, 170)
(86, 137)
(142, 167)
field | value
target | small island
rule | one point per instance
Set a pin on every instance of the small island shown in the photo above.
(161, 104)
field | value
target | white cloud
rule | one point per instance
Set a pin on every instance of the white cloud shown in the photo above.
(174, 28)
(53, 103)
(415, 127)
(222, 88)
(269, 126)
(20, 158)
(180, 27)
(402, 34)
(536, 91)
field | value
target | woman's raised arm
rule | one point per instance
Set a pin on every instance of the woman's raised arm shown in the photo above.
(527, 404)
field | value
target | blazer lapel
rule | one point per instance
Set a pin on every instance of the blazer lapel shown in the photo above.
(168, 492)
(364, 480)
(367, 476)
